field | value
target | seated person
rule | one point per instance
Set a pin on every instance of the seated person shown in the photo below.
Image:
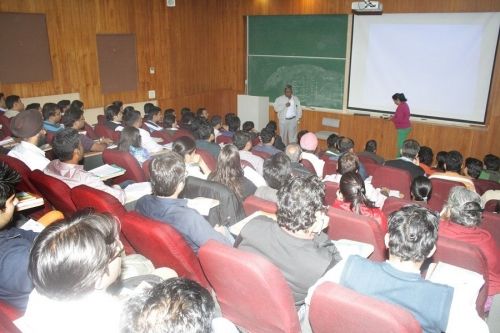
(230, 173)
(266, 144)
(249, 127)
(411, 239)
(295, 243)
(187, 118)
(28, 125)
(473, 167)
(172, 306)
(332, 146)
(294, 153)
(233, 124)
(206, 139)
(216, 122)
(63, 105)
(408, 160)
(195, 165)
(73, 118)
(72, 263)
(133, 118)
(278, 141)
(168, 174)
(52, 118)
(169, 123)
(461, 216)
(114, 116)
(130, 141)
(346, 145)
(351, 197)
(202, 113)
(492, 168)
(227, 116)
(15, 245)
(309, 144)
(277, 170)
(440, 161)
(371, 152)
(69, 152)
(425, 157)
(14, 106)
(453, 167)
(153, 117)
(243, 141)
(421, 189)
(34, 106)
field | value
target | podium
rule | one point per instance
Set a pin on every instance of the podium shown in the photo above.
(254, 108)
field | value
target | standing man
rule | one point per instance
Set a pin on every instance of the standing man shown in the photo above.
(289, 113)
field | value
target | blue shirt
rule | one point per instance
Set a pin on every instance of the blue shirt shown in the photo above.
(51, 127)
(271, 150)
(175, 212)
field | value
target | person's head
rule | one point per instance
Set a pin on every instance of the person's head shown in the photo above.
(13, 102)
(132, 118)
(169, 111)
(9, 178)
(426, 155)
(234, 123)
(474, 167)
(293, 151)
(331, 141)
(228, 116)
(398, 98)
(113, 113)
(309, 142)
(148, 107)
(412, 234)
(288, 91)
(51, 112)
(34, 106)
(348, 162)
(67, 146)
(184, 146)
(186, 120)
(410, 149)
(371, 146)
(248, 126)
(76, 104)
(172, 306)
(169, 120)
(202, 113)
(353, 190)
(63, 105)
(73, 118)
(301, 134)
(28, 125)
(216, 122)
(205, 131)
(267, 136)
(195, 124)
(299, 201)
(454, 161)
(421, 189)
(277, 169)
(153, 114)
(441, 160)
(118, 104)
(491, 162)
(168, 173)
(74, 257)
(127, 111)
(345, 145)
(272, 125)
(129, 137)
(242, 140)
(186, 110)
(464, 207)
(228, 170)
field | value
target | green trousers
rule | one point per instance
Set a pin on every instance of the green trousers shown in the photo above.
(402, 135)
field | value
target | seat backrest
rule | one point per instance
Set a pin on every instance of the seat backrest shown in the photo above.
(483, 185)
(261, 154)
(224, 139)
(347, 225)
(440, 190)
(5, 122)
(84, 196)
(55, 191)
(330, 167)
(102, 130)
(253, 204)
(49, 137)
(491, 222)
(101, 119)
(308, 165)
(182, 132)
(370, 168)
(162, 135)
(145, 167)
(23, 170)
(492, 206)
(392, 178)
(251, 291)
(393, 204)
(209, 159)
(90, 131)
(335, 308)
(128, 162)
(366, 160)
(330, 192)
(163, 245)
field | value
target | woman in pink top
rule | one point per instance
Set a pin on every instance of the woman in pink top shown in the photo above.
(401, 119)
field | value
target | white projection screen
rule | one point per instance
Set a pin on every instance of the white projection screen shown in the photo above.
(442, 62)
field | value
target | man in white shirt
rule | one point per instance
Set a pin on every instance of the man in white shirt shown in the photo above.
(28, 125)
(289, 113)
(14, 106)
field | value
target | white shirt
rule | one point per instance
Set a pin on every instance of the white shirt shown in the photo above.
(11, 113)
(254, 177)
(148, 143)
(290, 111)
(153, 126)
(373, 194)
(30, 154)
(256, 161)
(317, 163)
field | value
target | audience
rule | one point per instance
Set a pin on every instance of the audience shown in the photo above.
(440, 161)
(278, 141)
(243, 141)
(492, 168)
(425, 157)
(153, 117)
(332, 147)
(206, 139)
(170, 123)
(409, 159)
(453, 166)
(233, 123)
(266, 144)
(294, 153)
(52, 118)
(277, 170)
(421, 189)
(130, 141)
(34, 106)
(76, 104)
(371, 152)
(216, 122)
(187, 118)
(114, 116)
(300, 134)
(133, 118)
(309, 143)
(63, 105)
(73, 118)
(202, 113)
(14, 105)
(473, 167)
(195, 165)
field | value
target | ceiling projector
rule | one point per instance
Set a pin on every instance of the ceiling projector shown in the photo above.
(367, 7)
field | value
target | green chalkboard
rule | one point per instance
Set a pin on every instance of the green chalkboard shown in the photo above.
(306, 51)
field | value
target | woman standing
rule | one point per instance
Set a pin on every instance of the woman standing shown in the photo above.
(401, 119)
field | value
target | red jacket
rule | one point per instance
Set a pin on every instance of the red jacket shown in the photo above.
(401, 118)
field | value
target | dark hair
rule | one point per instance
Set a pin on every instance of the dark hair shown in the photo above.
(353, 190)
(331, 141)
(228, 116)
(148, 107)
(272, 125)
(168, 120)
(195, 124)
(71, 116)
(298, 201)
(151, 112)
(410, 148)
(49, 110)
(491, 162)
(441, 160)
(277, 169)
(76, 104)
(169, 111)
(266, 135)
(127, 111)
(70, 256)
(345, 144)
(215, 120)
(205, 130)
(426, 155)
(348, 162)
(371, 146)
(35, 106)
(184, 146)
(400, 97)
(248, 126)
(129, 137)
(234, 123)
(301, 134)
(186, 120)
(64, 103)
(167, 172)
(454, 161)
(474, 167)
(421, 188)
(172, 306)
(131, 118)
(10, 100)
(9, 178)
(240, 139)
(413, 231)
(199, 112)
(64, 144)
(228, 170)
(118, 103)
(111, 111)
(186, 110)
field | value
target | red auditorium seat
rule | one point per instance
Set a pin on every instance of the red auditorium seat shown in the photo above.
(330, 167)
(125, 160)
(330, 192)
(491, 222)
(5, 131)
(11, 313)
(491, 206)
(101, 119)
(162, 135)
(182, 132)
(483, 185)
(371, 168)
(393, 204)
(209, 159)
(163, 245)
(90, 131)
(251, 291)
(337, 309)
(224, 139)
(440, 190)
(308, 165)
(245, 163)
(366, 160)
(253, 204)
(102, 131)
(49, 137)
(393, 179)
